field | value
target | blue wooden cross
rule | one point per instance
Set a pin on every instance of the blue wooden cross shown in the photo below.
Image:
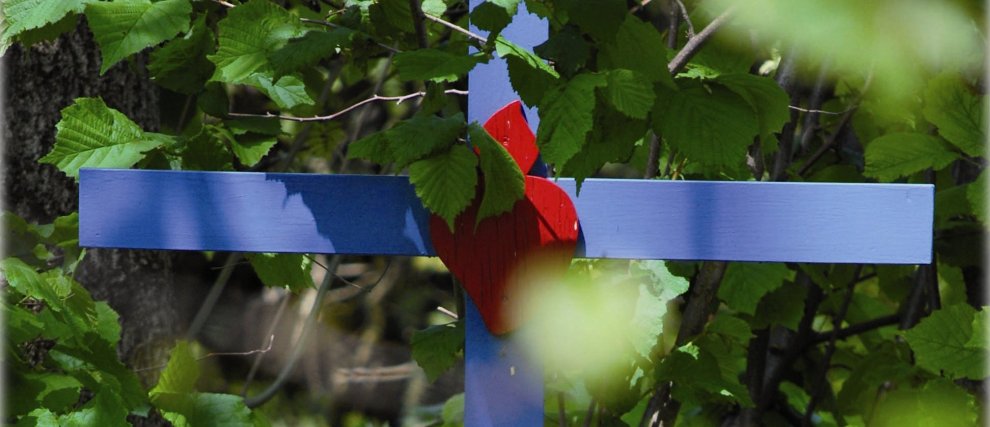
(629, 219)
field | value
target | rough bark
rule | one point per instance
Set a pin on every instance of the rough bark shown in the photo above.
(38, 82)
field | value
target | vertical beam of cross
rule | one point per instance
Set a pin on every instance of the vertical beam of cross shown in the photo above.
(501, 387)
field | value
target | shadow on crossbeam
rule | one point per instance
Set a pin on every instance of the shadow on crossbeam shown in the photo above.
(363, 214)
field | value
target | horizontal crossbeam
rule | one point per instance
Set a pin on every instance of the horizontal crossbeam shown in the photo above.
(638, 219)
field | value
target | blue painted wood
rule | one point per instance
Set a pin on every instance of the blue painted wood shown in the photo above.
(363, 214)
(492, 396)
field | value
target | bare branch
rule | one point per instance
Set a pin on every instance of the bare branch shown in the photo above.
(695, 43)
(811, 110)
(455, 28)
(375, 98)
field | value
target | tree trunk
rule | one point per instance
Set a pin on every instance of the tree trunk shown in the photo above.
(39, 82)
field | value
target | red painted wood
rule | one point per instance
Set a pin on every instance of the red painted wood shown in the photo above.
(538, 236)
(508, 126)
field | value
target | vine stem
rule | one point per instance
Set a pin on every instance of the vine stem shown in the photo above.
(375, 98)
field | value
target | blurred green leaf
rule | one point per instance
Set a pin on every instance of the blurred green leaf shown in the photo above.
(436, 348)
(637, 47)
(959, 114)
(22, 15)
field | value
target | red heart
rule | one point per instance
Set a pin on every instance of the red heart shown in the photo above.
(540, 231)
(508, 126)
(539, 234)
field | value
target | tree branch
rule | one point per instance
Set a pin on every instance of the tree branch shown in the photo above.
(662, 408)
(694, 44)
(375, 98)
(822, 380)
(455, 28)
(856, 329)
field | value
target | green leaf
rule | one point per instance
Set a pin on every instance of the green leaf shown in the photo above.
(434, 7)
(655, 292)
(957, 112)
(250, 151)
(373, 148)
(287, 92)
(446, 181)
(612, 139)
(22, 15)
(566, 117)
(745, 283)
(125, 27)
(529, 74)
(420, 136)
(107, 324)
(629, 93)
(940, 343)
(504, 182)
(180, 374)
(765, 96)
(391, 17)
(898, 154)
(939, 402)
(247, 36)
(783, 306)
(494, 15)
(181, 64)
(434, 65)
(205, 409)
(707, 123)
(309, 49)
(697, 376)
(105, 409)
(291, 271)
(599, 18)
(976, 193)
(91, 134)
(567, 49)
(638, 47)
(206, 150)
(436, 348)
(453, 411)
(24, 279)
(979, 336)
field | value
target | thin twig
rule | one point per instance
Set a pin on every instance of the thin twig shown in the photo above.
(271, 331)
(375, 98)
(687, 19)
(694, 44)
(225, 3)
(857, 329)
(811, 110)
(449, 313)
(271, 339)
(300, 344)
(455, 28)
